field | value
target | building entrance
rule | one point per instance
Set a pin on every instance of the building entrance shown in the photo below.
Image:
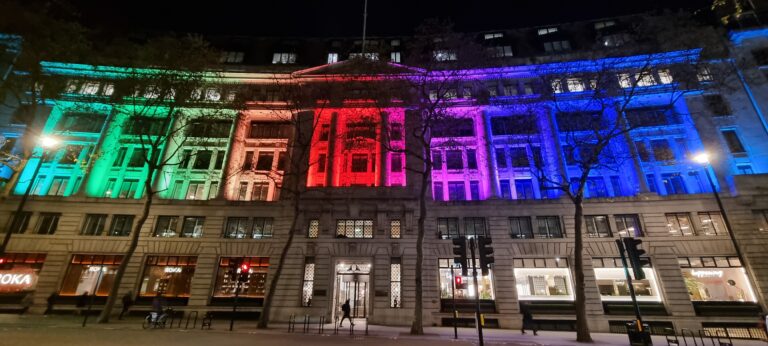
(353, 283)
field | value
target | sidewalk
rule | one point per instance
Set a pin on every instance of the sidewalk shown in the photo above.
(36, 324)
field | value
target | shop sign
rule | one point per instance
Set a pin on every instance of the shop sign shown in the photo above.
(707, 273)
(17, 280)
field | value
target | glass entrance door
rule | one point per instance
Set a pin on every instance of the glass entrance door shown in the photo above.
(352, 283)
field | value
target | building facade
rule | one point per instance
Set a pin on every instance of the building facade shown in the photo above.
(220, 202)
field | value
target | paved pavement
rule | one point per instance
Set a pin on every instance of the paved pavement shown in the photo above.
(67, 330)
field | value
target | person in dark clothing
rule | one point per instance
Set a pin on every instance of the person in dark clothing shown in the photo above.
(51, 301)
(82, 301)
(528, 322)
(158, 303)
(127, 303)
(346, 309)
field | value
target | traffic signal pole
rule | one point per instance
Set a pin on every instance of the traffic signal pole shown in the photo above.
(453, 300)
(639, 318)
(478, 316)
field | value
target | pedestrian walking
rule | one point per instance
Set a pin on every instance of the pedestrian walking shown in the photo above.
(346, 309)
(26, 303)
(158, 303)
(528, 322)
(127, 303)
(50, 302)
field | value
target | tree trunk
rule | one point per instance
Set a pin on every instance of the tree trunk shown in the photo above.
(264, 318)
(417, 328)
(115, 290)
(582, 328)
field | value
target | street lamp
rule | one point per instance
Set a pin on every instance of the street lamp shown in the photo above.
(703, 158)
(47, 143)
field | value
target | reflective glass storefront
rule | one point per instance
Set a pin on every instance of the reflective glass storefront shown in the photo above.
(18, 275)
(484, 283)
(254, 287)
(716, 279)
(612, 282)
(543, 279)
(89, 274)
(168, 276)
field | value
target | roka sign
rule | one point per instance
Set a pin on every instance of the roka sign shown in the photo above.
(17, 280)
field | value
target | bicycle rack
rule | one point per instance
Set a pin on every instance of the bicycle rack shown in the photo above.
(207, 321)
(671, 338)
(720, 338)
(321, 325)
(351, 327)
(292, 323)
(366, 325)
(306, 324)
(189, 316)
(682, 333)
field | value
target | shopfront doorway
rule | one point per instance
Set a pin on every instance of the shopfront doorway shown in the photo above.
(353, 283)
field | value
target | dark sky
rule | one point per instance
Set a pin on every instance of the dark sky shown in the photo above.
(344, 17)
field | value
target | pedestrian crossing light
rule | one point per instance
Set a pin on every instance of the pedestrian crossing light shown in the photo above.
(460, 253)
(245, 272)
(634, 253)
(486, 254)
(460, 284)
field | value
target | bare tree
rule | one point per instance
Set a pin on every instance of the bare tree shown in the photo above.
(168, 98)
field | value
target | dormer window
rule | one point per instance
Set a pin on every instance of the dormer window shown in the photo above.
(557, 46)
(493, 36)
(333, 58)
(444, 55)
(284, 58)
(604, 24)
(231, 57)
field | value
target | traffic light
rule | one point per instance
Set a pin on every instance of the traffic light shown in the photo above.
(634, 252)
(460, 253)
(486, 254)
(245, 272)
(460, 284)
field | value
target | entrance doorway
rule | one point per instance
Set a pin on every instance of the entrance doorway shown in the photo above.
(353, 283)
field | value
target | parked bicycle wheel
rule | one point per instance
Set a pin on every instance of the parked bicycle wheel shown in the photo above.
(146, 322)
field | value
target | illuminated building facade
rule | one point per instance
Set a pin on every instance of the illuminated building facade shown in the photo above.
(356, 230)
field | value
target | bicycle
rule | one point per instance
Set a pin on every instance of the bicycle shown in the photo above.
(156, 320)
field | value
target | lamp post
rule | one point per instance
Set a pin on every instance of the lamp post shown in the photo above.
(46, 142)
(703, 158)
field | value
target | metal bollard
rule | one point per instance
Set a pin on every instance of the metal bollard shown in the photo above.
(366, 325)
(321, 325)
(336, 325)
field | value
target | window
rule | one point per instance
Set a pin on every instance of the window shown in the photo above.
(264, 162)
(448, 227)
(192, 227)
(71, 154)
(437, 160)
(744, 169)
(549, 227)
(270, 130)
(712, 223)
(456, 191)
(248, 161)
(453, 159)
(231, 57)
(395, 279)
(717, 105)
(449, 271)
(557, 86)
(454, 127)
(444, 55)
(505, 187)
(196, 190)
(262, 227)
(437, 191)
(19, 225)
(761, 217)
(309, 281)
(519, 157)
(524, 188)
(501, 158)
(665, 77)
(58, 186)
(557, 46)
(734, 143)
(679, 224)
(260, 191)
(236, 227)
(209, 129)
(493, 35)
(651, 179)
(674, 183)
(313, 229)
(545, 31)
(604, 24)
(48, 223)
(94, 224)
(359, 163)
(502, 51)
(226, 282)
(474, 190)
(166, 226)
(321, 163)
(395, 57)
(662, 151)
(394, 229)
(711, 279)
(520, 227)
(284, 58)
(543, 279)
(128, 188)
(332, 58)
(597, 226)
(354, 229)
(628, 226)
(612, 283)
(90, 274)
(168, 276)
(475, 227)
(397, 163)
(138, 157)
(596, 187)
(81, 122)
(121, 226)
(575, 85)
(325, 132)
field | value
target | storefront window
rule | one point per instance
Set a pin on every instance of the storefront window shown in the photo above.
(19, 272)
(612, 282)
(89, 274)
(720, 279)
(169, 276)
(543, 279)
(485, 283)
(254, 287)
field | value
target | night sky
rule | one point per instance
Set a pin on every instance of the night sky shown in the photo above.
(344, 17)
